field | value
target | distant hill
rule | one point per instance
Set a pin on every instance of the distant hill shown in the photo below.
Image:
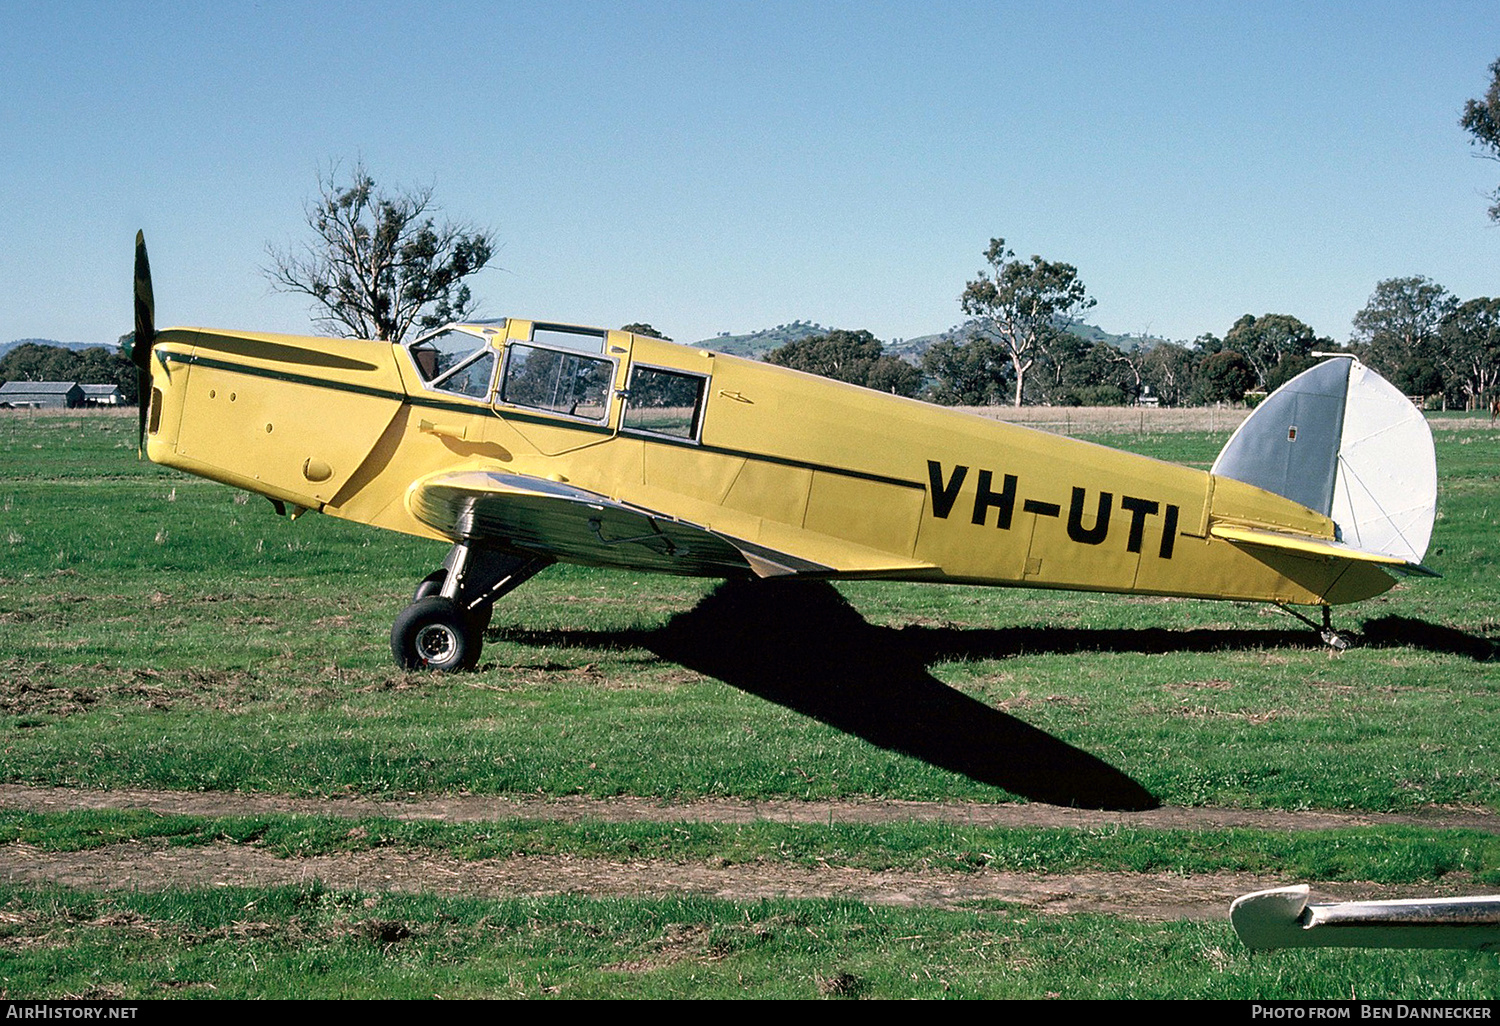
(6, 347)
(756, 344)
(1126, 343)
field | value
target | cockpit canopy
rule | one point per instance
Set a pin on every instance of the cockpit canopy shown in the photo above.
(559, 369)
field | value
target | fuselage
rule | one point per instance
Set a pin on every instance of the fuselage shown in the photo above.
(860, 482)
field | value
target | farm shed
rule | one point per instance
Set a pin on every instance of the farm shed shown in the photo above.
(42, 394)
(103, 395)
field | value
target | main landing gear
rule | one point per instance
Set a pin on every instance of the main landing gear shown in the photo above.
(443, 628)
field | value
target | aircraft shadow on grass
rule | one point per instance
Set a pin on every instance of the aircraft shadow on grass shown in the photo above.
(801, 645)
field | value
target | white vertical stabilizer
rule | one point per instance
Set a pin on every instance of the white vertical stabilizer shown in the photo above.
(1345, 442)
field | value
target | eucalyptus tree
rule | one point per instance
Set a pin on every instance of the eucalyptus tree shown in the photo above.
(1167, 369)
(1275, 345)
(1470, 350)
(857, 357)
(1481, 119)
(379, 263)
(1020, 305)
(965, 371)
(1399, 329)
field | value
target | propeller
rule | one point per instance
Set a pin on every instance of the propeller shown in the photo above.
(138, 349)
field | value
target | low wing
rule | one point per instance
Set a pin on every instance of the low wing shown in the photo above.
(577, 526)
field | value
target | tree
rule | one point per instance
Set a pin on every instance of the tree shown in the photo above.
(379, 263)
(95, 365)
(1399, 329)
(1018, 304)
(965, 373)
(1097, 375)
(644, 330)
(1482, 120)
(1275, 345)
(1224, 377)
(1167, 369)
(1060, 367)
(857, 357)
(894, 375)
(1470, 346)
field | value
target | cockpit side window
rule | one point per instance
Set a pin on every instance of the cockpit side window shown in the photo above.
(664, 402)
(472, 377)
(572, 384)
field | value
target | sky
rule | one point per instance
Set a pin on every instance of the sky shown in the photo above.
(724, 166)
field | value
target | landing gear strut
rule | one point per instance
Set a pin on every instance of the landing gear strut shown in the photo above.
(1334, 639)
(443, 628)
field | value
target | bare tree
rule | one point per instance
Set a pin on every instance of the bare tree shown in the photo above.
(379, 263)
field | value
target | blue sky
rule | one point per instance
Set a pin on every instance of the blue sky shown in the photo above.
(727, 166)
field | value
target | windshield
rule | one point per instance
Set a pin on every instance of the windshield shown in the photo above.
(455, 361)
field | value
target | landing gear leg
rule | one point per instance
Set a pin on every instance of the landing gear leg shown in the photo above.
(1334, 639)
(443, 628)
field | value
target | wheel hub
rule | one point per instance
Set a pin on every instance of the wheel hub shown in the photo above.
(436, 643)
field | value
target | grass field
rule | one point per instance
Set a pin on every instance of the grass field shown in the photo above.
(162, 633)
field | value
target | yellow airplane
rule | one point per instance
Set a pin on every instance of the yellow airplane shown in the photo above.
(527, 442)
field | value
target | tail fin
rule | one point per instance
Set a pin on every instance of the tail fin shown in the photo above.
(1343, 441)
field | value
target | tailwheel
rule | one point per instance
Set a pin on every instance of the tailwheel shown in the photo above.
(433, 633)
(1335, 639)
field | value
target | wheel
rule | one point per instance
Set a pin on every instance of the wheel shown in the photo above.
(434, 634)
(431, 585)
(1336, 640)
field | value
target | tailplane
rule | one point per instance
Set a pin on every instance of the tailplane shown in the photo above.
(1343, 441)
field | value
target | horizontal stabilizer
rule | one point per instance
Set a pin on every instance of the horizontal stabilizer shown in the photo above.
(1307, 546)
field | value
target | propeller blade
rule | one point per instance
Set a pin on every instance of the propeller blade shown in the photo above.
(139, 347)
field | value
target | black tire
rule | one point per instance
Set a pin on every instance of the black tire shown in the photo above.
(431, 585)
(434, 634)
(480, 618)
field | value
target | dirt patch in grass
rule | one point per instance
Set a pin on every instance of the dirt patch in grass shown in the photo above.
(137, 866)
(1165, 896)
(469, 808)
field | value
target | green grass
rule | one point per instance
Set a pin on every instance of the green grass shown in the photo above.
(314, 943)
(158, 631)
